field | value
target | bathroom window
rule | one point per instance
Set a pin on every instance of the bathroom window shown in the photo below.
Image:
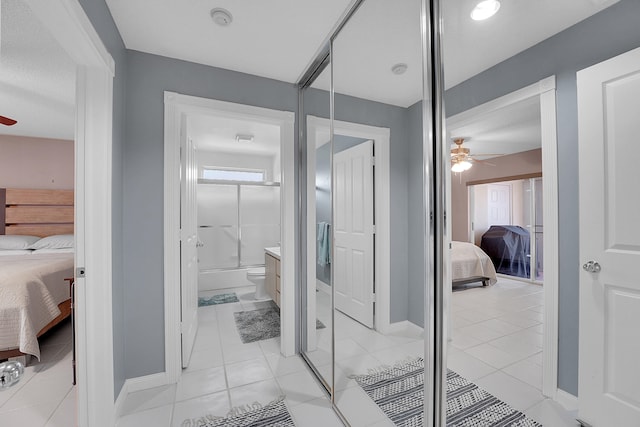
(222, 174)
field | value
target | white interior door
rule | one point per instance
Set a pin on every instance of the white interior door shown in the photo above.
(188, 243)
(499, 204)
(353, 232)
(609, 374)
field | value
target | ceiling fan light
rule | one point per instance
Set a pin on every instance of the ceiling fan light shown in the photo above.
(466, 165)
(457, 167)
(485, 10)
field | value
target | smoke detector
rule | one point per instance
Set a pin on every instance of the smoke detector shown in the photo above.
(221, 16)
(399, 68)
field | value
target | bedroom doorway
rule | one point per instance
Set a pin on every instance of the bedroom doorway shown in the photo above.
(93, 402)
(514, 334)
(506, 222)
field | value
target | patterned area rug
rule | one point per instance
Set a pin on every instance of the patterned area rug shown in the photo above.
(261, 324)
(217, 299)
(274, 414)
(399, 392)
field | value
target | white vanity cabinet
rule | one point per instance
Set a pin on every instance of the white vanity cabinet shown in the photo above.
(272, 276)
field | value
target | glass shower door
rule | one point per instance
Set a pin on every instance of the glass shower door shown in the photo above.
(218, 226)
(259, 222)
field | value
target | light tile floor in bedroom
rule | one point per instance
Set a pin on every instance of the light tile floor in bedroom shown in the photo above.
(226, 373)
(44, 396)
(497, 344)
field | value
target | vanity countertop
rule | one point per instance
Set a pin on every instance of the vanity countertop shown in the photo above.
(274, 251)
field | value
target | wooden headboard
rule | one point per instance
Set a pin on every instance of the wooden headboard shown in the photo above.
(36, 212)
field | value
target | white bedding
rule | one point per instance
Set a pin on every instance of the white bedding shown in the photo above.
(31, 287)
(468, 260)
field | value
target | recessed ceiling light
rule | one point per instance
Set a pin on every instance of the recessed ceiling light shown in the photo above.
(399, 68)
(221, 16)
(485, 10)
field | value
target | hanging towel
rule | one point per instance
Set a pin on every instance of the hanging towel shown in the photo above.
(324, 246)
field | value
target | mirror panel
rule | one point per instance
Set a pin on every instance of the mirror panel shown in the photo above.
(317, 318)
(378, 214)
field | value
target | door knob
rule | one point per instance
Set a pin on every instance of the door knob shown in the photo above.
(592, 267)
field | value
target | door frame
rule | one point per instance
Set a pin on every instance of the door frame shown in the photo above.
(175, 107)
(545, 89)
(318, 133)
(95, 69)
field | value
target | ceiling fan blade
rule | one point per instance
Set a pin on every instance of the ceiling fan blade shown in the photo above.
(7, 121)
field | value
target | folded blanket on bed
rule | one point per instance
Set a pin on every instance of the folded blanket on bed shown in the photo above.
(31, 287)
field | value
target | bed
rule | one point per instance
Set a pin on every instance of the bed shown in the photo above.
(34, 295)
(469, 264)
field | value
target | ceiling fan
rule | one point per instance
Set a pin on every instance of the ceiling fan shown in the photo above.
(7, 121)
(461, 157)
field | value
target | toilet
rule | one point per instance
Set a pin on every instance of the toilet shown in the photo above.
(257, 277)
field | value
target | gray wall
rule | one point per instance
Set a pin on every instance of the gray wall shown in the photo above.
(357, 110)
(607, 34)
(148, 77)
(102, 21)
(323, 194)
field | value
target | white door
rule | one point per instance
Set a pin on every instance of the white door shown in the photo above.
(353, 232)
(499, 204)
(609, 126)
(188, 243)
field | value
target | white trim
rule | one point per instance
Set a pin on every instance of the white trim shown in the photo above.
(70, 26)
(133, 385)
(178, 106)
(546, 91)
(567, 400)
(318, 132)
(404, 325)
(323, 287)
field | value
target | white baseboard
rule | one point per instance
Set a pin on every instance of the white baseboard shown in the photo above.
(119, 405)
(132, 385)
(568, 400)
(402, 326)
(323, 287)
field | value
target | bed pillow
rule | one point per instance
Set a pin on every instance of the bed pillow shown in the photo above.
(59, 241)
(11, 243)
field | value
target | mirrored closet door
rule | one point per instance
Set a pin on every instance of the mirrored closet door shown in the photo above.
(367, 180)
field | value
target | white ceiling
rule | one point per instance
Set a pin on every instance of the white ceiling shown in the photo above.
(379, 36)
(278, 38)
(510, 130)
(37, 78)
(269, 38)
(219, 134)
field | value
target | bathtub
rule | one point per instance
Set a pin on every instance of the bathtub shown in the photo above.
(209, 280)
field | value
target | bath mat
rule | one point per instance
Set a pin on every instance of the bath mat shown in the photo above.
(261, 324)
(399, 391)
(218, 299)
(274, 414)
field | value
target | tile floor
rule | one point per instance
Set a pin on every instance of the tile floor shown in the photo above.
(497, 344)
(226, 373)
(497, 341)
(44, 396)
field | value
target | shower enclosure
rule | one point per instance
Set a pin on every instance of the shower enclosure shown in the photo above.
(236, 221)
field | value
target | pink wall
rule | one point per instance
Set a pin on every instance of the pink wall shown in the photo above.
(505, 166)
(36, 163)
